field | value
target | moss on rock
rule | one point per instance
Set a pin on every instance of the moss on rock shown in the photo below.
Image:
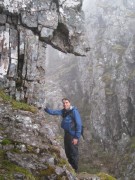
(6, 142)
(8, 170)
(104, 176)
(47, 172)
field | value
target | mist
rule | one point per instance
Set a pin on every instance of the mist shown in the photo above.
(101, 85)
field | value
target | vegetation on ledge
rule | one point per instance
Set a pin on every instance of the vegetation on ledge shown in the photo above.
(17, 104)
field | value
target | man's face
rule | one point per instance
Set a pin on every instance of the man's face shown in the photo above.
(66, 104)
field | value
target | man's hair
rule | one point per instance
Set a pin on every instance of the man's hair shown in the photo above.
(65, 99)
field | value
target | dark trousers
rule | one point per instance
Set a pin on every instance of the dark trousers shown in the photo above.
(71, 151)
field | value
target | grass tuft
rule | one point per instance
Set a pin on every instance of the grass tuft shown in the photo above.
(6, 142)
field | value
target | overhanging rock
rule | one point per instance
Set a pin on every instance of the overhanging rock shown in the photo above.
(52, 14)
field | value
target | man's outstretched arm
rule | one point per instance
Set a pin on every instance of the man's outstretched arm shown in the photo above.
(53, 112)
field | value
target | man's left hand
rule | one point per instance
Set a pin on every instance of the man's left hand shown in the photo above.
(75, 141)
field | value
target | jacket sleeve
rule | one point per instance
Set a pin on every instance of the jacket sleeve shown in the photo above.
(78, 124)
(53, 112)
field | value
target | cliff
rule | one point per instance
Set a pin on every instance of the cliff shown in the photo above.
(101, 85)
(25, 28)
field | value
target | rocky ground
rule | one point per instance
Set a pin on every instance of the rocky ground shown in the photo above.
(30, 147)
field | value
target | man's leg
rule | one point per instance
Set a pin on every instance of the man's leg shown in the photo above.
(71, 151)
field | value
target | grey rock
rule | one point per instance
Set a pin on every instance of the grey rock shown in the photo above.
(48, 19)
(51, 161)
(24, 33)
(46, 33)
(59, 170)
(19, 176)
(3, 18)
(34, 152)
(22, 147)
(29, 19)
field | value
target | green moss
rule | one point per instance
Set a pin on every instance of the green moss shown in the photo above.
(54, 150)
(17, 104)
(127, 159)
(4, 96)
(1, 128)
(23, 106)
(12, 168)
(47, 172)
(133, 139)
(6, 142)
(2, 177)
(62, 178)
(8, 169)
(62, 162)
(104, 176)
(14, 150)
(30, 148)
(132, 144)
(2, 154)
(14, 144)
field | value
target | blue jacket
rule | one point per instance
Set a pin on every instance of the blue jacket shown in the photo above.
(69, 120)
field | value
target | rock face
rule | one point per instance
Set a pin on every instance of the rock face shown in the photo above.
(111, 92)
(25, 28)
(113, 64)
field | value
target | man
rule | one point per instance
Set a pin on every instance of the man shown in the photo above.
(72, 125)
